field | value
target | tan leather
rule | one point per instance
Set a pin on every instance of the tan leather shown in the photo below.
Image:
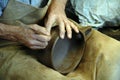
(86, 31)
(100, 60)
(17, 63)
(17, 11)
(101, 56)
(20, 14)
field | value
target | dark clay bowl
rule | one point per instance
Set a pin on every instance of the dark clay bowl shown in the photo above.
(63, 55)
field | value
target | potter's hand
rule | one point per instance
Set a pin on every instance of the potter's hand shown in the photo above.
(34, 36)
(56, 16)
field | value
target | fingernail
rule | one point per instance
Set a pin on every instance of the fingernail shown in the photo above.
(69, 36)
(77, 31)
(62, 36)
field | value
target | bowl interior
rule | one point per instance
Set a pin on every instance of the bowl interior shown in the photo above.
(66, 54)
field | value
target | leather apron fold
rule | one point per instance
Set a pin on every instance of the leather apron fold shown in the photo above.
(20, 14)
(86, 32)
(27, 14)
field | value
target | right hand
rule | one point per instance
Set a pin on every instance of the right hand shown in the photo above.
(56, 17)
(32, 36)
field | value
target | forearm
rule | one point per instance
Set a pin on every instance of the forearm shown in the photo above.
(58, 4)
(7, 32)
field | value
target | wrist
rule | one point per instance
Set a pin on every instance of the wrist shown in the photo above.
(58, 4)
(8, 32)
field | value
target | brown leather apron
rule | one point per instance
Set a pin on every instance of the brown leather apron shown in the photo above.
(17, 13)
(20, 14)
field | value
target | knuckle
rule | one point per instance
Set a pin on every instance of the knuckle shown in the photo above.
(43, 47)
(46, 43)
(47, 38)
(30, 43)
(69, 31)
(74, 26)
(31, 47)
(34, 25)
(62, 32)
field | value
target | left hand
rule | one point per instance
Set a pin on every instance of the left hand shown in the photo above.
(56, 16)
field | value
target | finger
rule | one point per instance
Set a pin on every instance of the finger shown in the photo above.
(40, 45)
(69, 31)
(42, 38)
(49, 23)
(75, 28)
(37, 47)
(37, 43)
(62, 29)
(39, 29)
